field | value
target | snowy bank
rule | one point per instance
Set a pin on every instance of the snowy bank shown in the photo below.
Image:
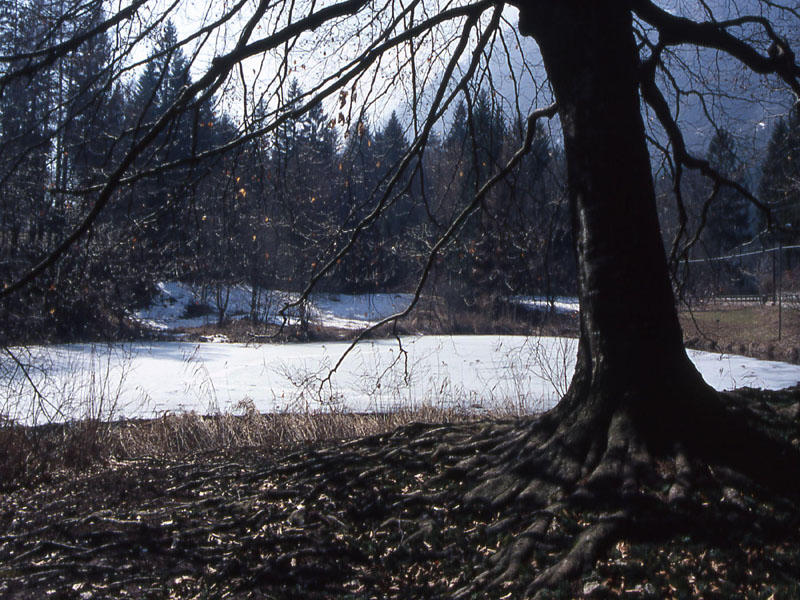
(556, 304)
(170, 308)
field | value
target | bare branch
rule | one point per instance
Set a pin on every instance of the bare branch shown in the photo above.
(674, 30)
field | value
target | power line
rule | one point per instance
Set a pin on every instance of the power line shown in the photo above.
(754, 253)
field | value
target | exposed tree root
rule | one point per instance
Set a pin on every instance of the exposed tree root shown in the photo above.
(605, 465)
(530, 508)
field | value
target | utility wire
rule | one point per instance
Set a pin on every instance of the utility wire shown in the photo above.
(730, 256)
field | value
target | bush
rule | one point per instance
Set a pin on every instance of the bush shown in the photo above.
(196, 309)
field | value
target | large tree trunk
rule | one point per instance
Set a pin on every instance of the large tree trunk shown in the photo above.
(631, 340)
(632, 366)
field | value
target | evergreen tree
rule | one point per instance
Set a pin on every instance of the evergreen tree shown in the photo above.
(457, 134)
(387, 238)
(476, 147)
(301, 171)
(391, 142)
(728, 222)
(780, 175)
(94, 108)
(537, 255)
(158, 204)
(357, 187)
(25, 134)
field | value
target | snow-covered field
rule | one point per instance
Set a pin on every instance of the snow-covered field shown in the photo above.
(475, 372)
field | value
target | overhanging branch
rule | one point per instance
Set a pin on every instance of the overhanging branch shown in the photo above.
(674, 30)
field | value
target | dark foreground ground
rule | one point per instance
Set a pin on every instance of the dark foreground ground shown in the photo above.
(365, 519)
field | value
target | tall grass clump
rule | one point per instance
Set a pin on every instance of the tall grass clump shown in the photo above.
(56, 409)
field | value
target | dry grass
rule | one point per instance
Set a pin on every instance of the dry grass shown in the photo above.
(30, 455)
(749, 330)
(177, 435)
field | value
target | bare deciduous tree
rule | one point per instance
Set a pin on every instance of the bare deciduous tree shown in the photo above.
(635, 396)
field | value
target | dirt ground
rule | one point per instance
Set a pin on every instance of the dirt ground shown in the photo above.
(367, 519)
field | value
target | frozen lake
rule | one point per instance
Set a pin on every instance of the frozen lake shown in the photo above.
(475, 372)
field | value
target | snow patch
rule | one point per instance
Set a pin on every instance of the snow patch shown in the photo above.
(557, 304)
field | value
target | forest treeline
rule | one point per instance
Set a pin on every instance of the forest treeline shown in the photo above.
(271, 210)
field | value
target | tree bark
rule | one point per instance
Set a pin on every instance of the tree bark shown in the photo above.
(631, 343)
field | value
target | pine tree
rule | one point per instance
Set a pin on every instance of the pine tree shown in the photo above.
(780, 175)
(25, 135)
(301, 175)
(457, 134)
(158, 203)
(94, 108)
(387, 239)
(729, 217)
